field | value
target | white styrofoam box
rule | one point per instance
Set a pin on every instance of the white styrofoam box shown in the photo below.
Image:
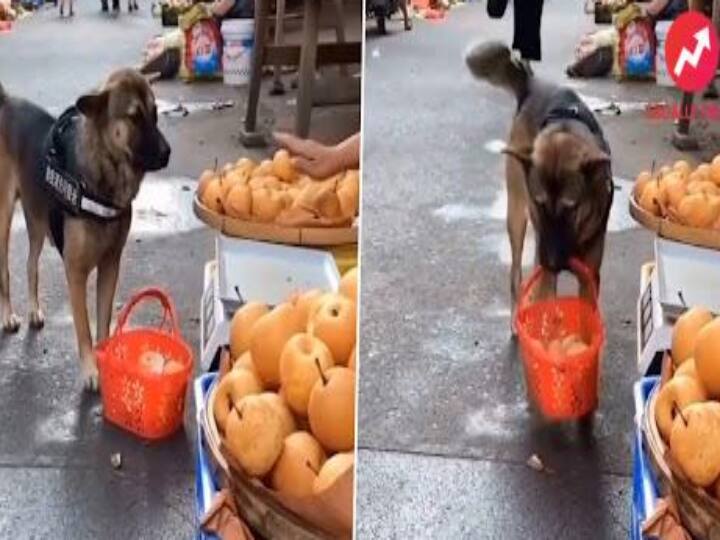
(266, 272)
(662, 74)
(692, 270)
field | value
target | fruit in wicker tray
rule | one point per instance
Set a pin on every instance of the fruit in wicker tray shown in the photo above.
(675, 396)
(687, 369)
(242, 324)
(652, 199)
(351, 362)
(334, 322)
(282, 166)
(238, 202)
(233, 387)
(687, 327)
(707, 357)
(695, 442)
(268, 338)
(302, 358)
(255, 435)
(331, 409)
(244, 361)
(212, 195)
(277, 402)
(301, 459)
(333, 469)
(304, 302)
(348, 284)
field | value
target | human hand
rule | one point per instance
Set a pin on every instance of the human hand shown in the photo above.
(311, 157)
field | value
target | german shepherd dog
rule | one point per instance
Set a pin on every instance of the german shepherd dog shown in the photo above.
(115, 141)
(557, 170)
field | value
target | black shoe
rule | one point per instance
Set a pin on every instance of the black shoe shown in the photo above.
(104, 5)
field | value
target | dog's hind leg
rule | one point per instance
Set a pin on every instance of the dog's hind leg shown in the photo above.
(37, 230)
(8, 195)
(517, 218)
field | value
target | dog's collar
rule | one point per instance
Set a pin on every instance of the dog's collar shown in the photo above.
(61, 177)
(568, 112)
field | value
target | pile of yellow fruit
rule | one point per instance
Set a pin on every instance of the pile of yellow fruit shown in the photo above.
(687, 410)
(286, 409)
(682, 194)
(274, 192)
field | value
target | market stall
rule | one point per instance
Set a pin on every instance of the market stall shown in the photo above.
(276, 410)
(676, 476)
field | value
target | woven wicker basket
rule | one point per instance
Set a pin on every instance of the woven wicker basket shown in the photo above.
(699, 512)
(260, 508)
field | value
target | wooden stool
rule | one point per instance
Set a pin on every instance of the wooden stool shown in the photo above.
(307, 57)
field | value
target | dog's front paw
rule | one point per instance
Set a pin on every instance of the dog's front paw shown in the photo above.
(89, 373)
(37, 319)
(11, 323)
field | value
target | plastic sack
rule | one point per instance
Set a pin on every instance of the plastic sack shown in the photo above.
(202, 54)
(635, 52)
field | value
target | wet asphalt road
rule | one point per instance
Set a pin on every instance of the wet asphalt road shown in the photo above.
(56, 480)
(445, 430)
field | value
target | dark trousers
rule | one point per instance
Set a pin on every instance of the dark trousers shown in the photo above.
(528, 14)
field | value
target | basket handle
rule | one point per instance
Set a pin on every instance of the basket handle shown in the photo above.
(577, 267)
(150, 293)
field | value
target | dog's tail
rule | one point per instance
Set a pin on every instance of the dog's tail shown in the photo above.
(493, 62)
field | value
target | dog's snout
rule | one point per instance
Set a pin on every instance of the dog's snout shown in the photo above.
(164, 151)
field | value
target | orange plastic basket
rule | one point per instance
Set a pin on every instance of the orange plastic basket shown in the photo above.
(148, 404)
(564, 388)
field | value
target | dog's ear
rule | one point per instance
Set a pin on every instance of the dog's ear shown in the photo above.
(94, 104)
(524, 156)
(594, 163)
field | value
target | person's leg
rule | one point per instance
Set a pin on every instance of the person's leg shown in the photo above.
(527, 19)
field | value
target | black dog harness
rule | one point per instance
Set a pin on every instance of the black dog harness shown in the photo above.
(566, 105)
(60, 177)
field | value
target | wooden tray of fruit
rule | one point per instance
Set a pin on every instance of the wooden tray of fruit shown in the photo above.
(280, 422)
(680, 204)
(271, 202)
(681, 424)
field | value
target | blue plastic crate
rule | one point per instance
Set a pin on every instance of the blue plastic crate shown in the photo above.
(206, 484)
(645, 484)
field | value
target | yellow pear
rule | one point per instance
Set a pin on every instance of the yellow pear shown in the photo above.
(287, 420)
(244, 361)
(302, 358)
(695, 442)
(304, 302)
(685, 332)
(688, 369)
(212, 196)
(242, 324)
(331, 409)
(348, 284)
(254, 435)
(676, 394)
(334, 322)
(282, 166)
(333, 469)
(297, 468)
(233, 387)
(707, 357)
(268, 338)
(641, 181)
